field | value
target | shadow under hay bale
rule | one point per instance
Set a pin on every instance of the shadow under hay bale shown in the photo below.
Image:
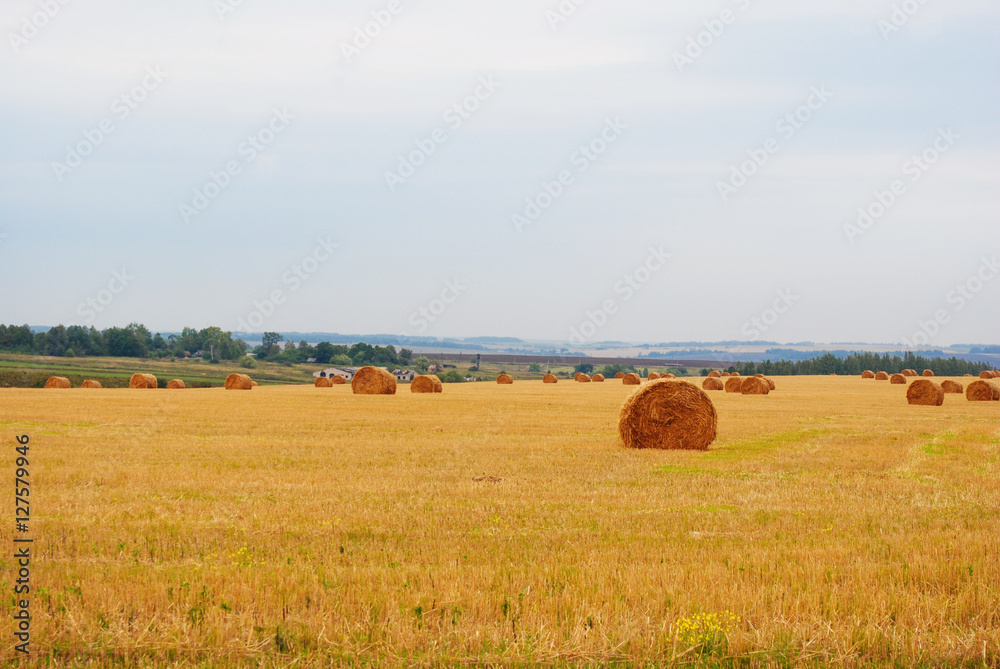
(925, 392)
(668, 415)
(373, 381)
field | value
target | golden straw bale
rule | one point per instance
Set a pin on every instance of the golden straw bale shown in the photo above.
(712, 383)
(176, 384)
(755, 386)
(323, 382)
(426, 384)
(239, 382)
(925, 392)
(143, 381)
(89, 383)
(983, 391)
(631, 380)
(58, 382)
(550, 378)
(505, 380)
(952, 387)
(668, 415)
(733, 384)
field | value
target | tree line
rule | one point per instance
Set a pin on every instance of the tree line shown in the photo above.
(856, 363)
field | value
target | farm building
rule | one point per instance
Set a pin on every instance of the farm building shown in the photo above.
(330, 372)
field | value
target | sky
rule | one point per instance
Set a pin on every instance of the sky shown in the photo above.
(574, 171)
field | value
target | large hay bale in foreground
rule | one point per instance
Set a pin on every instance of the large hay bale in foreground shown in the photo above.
(868, 374)
(653, 376)
(953, 387)
(925, 392)
(597, 378)
(239, 382)
(426, 384)
(897, 380)
(143, 381)
(505, 380)
(909, 372)
(323, 382)
(373, 381)
(620, 375)
(754, 386)
(928, 372)
(338, 380)
(983, 391)
(715, 374)
(58, 382)
(712, 383)
(90, 383)
(631, 380)
(550, 378)
(581, 377)
(668, 415)
(733, 384)
(882, 376)
(176, 384)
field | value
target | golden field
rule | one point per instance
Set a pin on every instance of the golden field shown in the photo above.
(830, 523)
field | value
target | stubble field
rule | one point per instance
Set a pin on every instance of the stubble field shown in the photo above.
(830, 523)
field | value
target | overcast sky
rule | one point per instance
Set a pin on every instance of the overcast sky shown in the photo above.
(829, 101)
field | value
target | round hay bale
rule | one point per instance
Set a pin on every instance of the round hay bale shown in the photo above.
(715, 374)
(733, 384)
(505, 380)
(668, 415)
(176, 384)
(653, 376)
(89, 383)
(769, 382)
(925, 392)
(550, 378)
(373, 381)
(928, 372)
(952, 387)
(986, 375)
(868, 374)
(597, 378)
(897, 380)
(754, 386)
(712, 383)
(426, 384)
(338, 380)
(969, 376)
(882, 376)
(736, 374)
(726, 375)
(323, 382)
(983, 391)
(239, 382)
(996, 374)
(620, 375)
(668, 376)
(631, 380)
(142, 381)
(758, 376)
(909, 372)
(254, 383)
(58, 382)
(582, 378)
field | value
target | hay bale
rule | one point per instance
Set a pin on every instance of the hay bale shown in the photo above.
(712, 383)
(338, 380)
(550, 378)
(255, 384)
(58, 382)
(868, 374)
(89, 383)
(882, 376)
(969, 376)
(582, 378)
(928, 372)
(373, 381)
(653, 376)
(323, 382)
(426, 384)
(505, 380)
(925, 392)
(726, 375)
(736, 374)
(733, 384)
(996, 374)
(143, 381)
(952, 387)
(176, 384)
(769, 382)
(897, 380)
(620, 375)
(986, 375)
(754, 386)
(758, 376)
(668, 415)
(239, 382)
(597, 378)
(668, 376)
(631, 380)
(983, 391)
(715, 374)
(909, 372)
